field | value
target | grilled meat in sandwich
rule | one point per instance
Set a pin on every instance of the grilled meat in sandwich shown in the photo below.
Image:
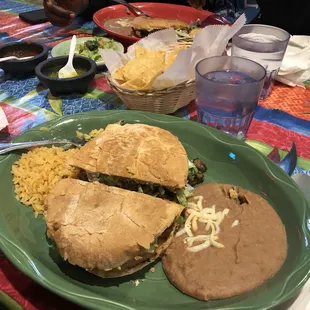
(137, 157)
(143, 26)
(109, 231)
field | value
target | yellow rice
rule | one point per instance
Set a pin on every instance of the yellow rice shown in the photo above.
(88, 136)
(38, 171)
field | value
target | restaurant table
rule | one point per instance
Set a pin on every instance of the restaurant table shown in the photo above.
(281, 119)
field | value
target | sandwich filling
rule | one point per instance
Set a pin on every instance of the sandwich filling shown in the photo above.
(143, 26)
(146, 256)
(195, 176)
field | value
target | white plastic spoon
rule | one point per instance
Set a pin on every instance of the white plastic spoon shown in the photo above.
(68, 70)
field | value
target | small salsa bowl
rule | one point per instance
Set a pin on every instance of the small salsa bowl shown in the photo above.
(47, 73)
(22, 68)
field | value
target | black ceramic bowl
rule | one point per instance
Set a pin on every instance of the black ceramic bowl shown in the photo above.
(49, 68)
(22, 68)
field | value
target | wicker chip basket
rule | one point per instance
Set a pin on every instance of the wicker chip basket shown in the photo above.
(164, 101)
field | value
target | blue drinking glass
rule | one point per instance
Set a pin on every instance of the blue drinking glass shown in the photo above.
(227, 92)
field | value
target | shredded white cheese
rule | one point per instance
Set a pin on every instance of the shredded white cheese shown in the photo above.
(194, 223)
(188, 225)
(199, 202)
(235, 223)
(180, 232)
(135, 282)
(209, 216)
(191, 205)
(200, 247)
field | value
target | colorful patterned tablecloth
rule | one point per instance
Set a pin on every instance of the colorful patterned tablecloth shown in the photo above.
(280, 120)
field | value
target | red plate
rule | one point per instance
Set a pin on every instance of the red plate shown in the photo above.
(162, 10)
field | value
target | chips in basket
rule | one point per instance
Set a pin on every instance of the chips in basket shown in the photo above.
(140, 72)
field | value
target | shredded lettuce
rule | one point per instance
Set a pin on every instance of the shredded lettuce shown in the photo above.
(153, 247)
(161, 190)
(182, 198)
(90, 48)
(148, 188)
(180, 220)
(109, 180)
(187, 192)
(128, 184)
(192, 169)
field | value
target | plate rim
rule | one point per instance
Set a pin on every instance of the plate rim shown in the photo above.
(5, 244)
(9, 302)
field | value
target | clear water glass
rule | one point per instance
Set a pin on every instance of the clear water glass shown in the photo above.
(227, 92)
(265, 45)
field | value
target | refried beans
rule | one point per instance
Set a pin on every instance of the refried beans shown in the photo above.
(255, 247)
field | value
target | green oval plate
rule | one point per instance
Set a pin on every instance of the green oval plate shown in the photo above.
(62, 49)
(23, 240)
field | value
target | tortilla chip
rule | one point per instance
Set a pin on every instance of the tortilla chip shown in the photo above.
(140, 72)
(142, 83)
(119, 76)
(135, 68)
(143, 68)
(140, 51)
(134, 84)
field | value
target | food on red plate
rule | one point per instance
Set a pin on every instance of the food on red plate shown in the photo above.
(143, 26)
(120, 25)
